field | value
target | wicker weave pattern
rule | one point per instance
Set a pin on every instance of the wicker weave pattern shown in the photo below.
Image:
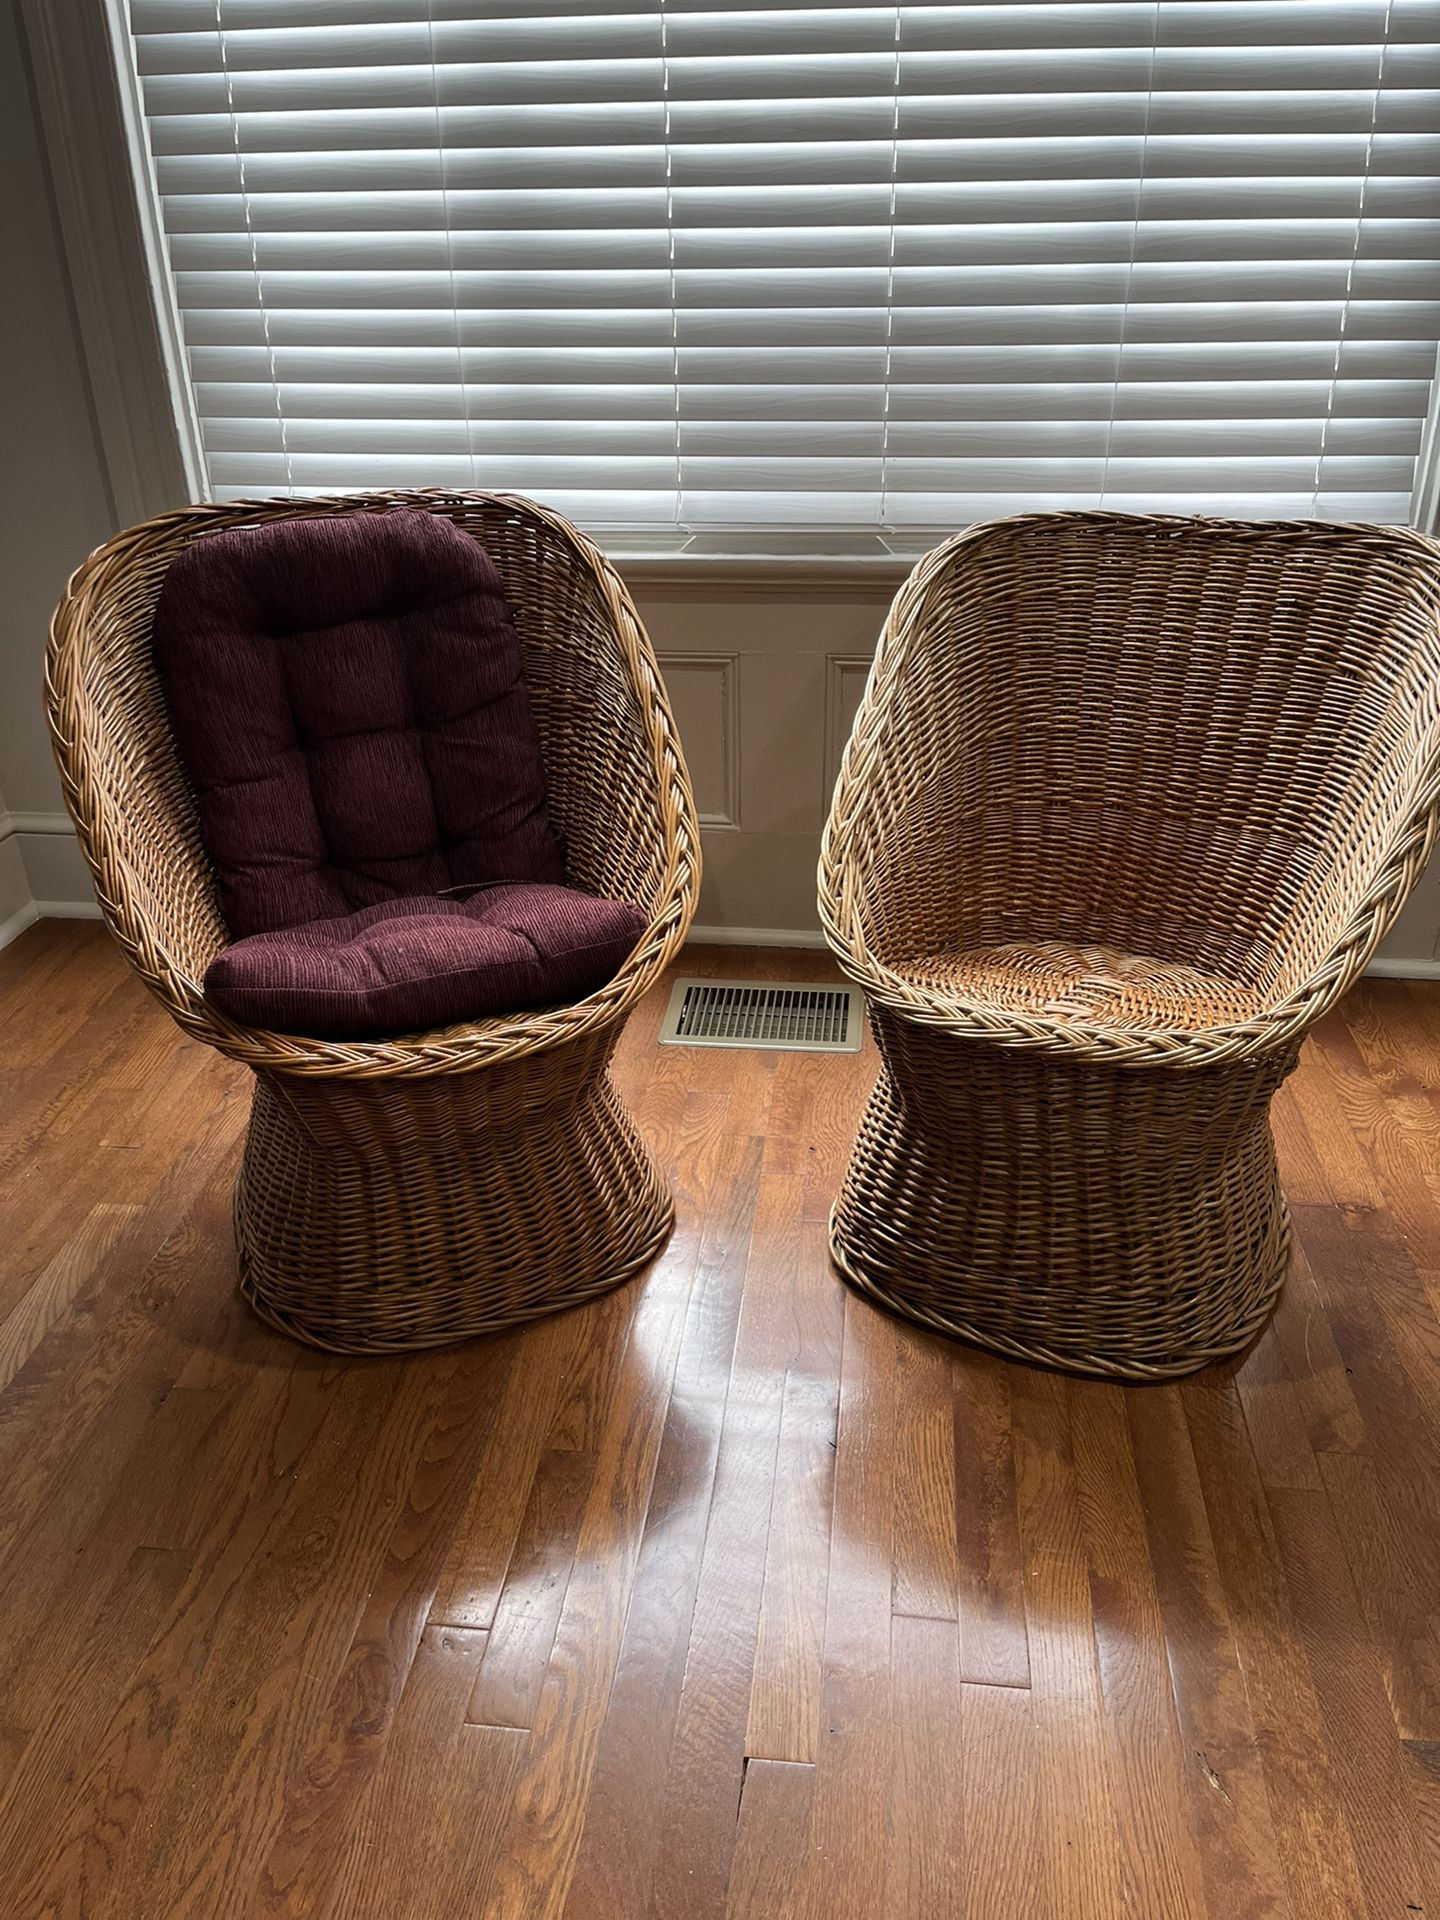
(1128, 804)
(400, 1193)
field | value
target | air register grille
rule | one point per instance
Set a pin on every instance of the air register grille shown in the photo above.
(727, 1013)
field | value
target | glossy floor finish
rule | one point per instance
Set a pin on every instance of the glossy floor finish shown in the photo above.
(725, 1595)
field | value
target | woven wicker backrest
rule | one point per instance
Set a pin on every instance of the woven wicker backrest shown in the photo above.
(1198, 740)
(618, 791)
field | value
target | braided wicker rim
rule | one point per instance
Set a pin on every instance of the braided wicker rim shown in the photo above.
(107, 601)
(1386, 870)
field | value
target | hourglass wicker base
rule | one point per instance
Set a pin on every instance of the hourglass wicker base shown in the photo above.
(1103, 1221)
(394, 1215)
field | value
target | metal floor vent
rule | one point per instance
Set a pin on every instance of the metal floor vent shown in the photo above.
(816, 1018)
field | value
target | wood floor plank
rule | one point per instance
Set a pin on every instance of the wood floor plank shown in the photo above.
(470, 1584)
(1227, 1793)
(1274, 1416)
(1420, 1762)
(71, 1800)
(1312, 1831)
(1160, 1871)
(925, 1858)
(1395, 1104)
(603, 1342)
(622, 1837)
(1081, 1838)
(119, 1321)
(249, 1652)
(1360, 1265)
(484, 1769)
(1385, 1279)
(517, 1652)
(994, 1640)
(707, 1749)
(1395, 1571)
(1418, 1007)
(837, 1119)
(850, 1823)
(412, 1853)
(1317, 1369)
(927, 1555)
(1364, 1754)
(48, 1300)
(791, 1118)
(45, 945)
(784, 1722)
(404, 1819)
(55, 977)
(815, 1102)
(55, 1576)
(1365, 1266)
(542, 1839)
(13, 1742)
(115, 1148)
(1301, 1172)
(656, 1079)
(772, 1841)
(455, 1399)
(1005, 1856)
(1330, 1095)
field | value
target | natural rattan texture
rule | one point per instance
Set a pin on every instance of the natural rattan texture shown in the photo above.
(407, 1192)
(1128, 804)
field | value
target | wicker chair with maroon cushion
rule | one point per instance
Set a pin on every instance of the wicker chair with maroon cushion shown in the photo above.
(400, 1188)
(1128, 804)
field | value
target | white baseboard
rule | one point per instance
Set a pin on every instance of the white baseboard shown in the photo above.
(809, 937)
(1404, 969)
(34, 823)
(67, 910)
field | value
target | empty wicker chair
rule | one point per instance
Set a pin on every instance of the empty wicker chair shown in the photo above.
(1128, 804)
(401, 1193)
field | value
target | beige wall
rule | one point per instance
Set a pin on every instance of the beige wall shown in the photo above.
(764, 687)
(54, 504)
(764, 692)
(14, 885)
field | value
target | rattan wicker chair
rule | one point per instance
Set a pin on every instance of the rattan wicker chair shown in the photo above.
(1128, 804)
(404, 1193)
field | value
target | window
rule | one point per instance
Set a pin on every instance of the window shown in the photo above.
(769, 266)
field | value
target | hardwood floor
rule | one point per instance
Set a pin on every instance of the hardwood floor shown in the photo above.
(725, 1595)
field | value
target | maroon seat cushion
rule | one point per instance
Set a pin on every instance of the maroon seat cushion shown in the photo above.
(346, 695)
(411, 964)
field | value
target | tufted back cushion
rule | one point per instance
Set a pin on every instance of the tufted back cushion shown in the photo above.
(346, 695)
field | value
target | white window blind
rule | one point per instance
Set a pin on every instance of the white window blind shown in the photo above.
(777, 265)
